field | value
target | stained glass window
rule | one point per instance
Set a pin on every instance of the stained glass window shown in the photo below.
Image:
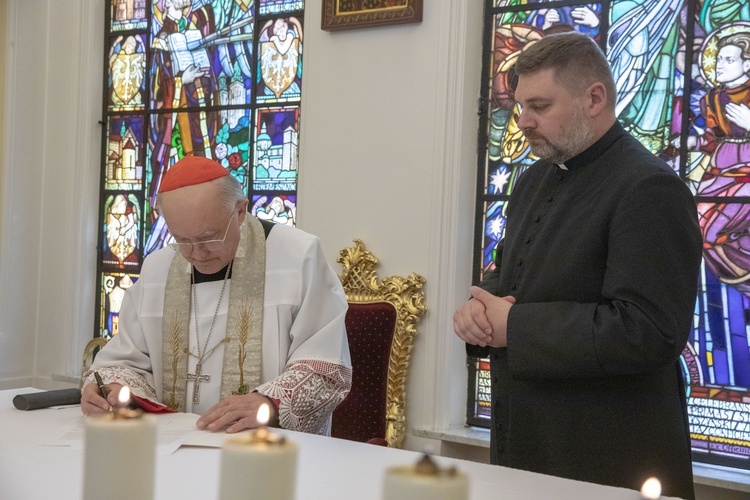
(682, 71)
(214, 78)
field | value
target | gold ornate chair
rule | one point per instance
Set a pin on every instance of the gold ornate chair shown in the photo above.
(380, 326)
(89, 352)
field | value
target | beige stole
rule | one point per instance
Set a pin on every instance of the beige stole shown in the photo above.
(242, 353)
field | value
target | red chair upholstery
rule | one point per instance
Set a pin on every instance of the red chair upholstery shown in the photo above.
(380, 328)
(370, 328)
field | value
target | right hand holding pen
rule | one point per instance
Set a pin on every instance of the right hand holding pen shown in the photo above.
(92, 402)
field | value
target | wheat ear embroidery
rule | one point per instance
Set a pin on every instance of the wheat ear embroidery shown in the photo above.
(244, 320)
(175, 336)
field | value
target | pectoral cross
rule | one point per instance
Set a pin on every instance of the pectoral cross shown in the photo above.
(197, 378)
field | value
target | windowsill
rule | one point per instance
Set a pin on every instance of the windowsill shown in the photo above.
(706, 474)
(473, 436)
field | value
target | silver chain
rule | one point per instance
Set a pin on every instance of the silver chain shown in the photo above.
(204, 355)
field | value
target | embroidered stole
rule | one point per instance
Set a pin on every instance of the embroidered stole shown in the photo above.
(243, 351)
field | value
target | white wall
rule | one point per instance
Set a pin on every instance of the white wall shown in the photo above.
(50, 185)
(388, 155)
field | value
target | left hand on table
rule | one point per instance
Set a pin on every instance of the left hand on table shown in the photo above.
(237, 412)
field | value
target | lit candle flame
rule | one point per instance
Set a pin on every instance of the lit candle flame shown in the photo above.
(651, 489)
(124, 396)
(264, 413)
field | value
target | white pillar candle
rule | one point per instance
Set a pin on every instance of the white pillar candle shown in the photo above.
(120, 452)
(258, 468)
(425, 481)
(258, 464)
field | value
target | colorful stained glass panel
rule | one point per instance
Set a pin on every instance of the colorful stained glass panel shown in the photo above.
(646, 52)
(716, 365)
(125, 153)
(122, 221)
(275, 207)
(126, 85)
(494, 230)
(280, 61)
(483, 392)
(276, 149)
(279, 6)
(112, 291)
(128, 15)
(202, 58)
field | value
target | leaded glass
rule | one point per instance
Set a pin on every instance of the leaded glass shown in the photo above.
(280, 61)
(127, 67)
(125, 153)
(184, 78)
(480, 410)
(276, 145)
(122, 215)
(112, 291)
(203, 58)
(683, 89)
(494, 229)
(276, 207)
(128, 15)
(279, 6)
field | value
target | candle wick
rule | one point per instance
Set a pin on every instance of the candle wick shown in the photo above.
(426, 466)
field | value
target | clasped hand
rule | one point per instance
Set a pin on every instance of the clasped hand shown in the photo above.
(483, 320)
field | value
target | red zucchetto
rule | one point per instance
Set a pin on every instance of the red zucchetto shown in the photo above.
(189, 171)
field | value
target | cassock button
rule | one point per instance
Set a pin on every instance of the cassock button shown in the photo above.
(528, 240)
(549, 200)
(520, 262)
(537, 218)
(513, 286)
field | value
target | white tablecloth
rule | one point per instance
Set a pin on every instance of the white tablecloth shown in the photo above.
(328, 468)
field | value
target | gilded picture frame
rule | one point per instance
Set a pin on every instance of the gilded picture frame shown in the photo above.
(350, 14)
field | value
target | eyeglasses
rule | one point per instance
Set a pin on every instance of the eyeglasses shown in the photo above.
(208, 245)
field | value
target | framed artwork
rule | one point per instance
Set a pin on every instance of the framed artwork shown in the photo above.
(349, 14)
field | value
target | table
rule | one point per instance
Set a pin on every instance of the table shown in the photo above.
(328, 468)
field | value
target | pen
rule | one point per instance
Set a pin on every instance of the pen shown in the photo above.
(101, 387)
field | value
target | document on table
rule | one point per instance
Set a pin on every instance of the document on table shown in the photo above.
(172, 431)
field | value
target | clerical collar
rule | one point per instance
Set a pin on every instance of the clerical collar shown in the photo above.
(205, 278)
(594, 151)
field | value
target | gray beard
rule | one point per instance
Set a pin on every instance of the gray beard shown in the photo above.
(576, 141)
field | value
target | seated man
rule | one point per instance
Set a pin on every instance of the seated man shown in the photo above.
(238, 312)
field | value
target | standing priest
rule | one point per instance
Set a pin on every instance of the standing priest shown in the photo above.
(237, 313)
(591, 303)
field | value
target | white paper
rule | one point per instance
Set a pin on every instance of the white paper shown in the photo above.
(172, 431)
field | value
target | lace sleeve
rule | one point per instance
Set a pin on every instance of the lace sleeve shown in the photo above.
(309, 390)
(125, 376)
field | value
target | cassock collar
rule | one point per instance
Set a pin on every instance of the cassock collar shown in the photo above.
(217, 276)
(594, 151)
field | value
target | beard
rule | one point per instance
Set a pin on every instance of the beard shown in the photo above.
(574, 140)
